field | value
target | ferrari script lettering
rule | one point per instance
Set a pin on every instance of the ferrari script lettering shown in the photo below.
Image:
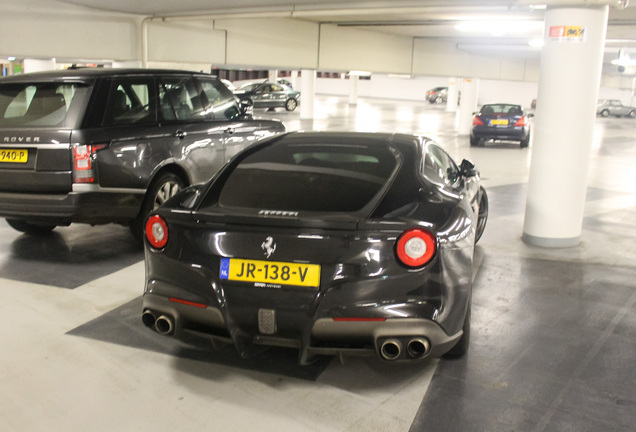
(277, 213)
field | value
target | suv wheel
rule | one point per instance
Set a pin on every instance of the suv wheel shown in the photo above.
(30, 228)
(164, 187)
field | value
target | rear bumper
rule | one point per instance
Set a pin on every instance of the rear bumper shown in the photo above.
(504, 134)
(326, 336)
(94, 207)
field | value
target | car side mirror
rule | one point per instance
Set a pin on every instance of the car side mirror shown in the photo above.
(530, 115)
(246, 107)
(468, 169)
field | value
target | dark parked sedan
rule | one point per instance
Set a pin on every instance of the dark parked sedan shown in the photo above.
(437, 95)
(330, 243)
(500, 122)
(268, 95)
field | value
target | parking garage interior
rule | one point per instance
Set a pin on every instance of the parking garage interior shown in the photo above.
(553, 327)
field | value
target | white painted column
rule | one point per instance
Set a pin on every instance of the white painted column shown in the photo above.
(272, 75)
(308, 89)
(37, 65)
(353, 89)
(451, 100)
(570, 73)
(467, 105)
(293, 79)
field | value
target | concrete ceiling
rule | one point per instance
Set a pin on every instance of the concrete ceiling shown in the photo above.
(436, 19)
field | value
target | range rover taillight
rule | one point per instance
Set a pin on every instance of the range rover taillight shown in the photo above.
(416, 247)
(83, 162)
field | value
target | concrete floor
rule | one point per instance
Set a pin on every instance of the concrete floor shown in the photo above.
(552, 340)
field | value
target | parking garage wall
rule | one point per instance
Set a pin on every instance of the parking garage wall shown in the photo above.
(37, 29)
(414, 89)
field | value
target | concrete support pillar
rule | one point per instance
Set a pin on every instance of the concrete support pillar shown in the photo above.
(293, 79)
(467, 106)
(272, 76)
(353, 89)
(36, 65)
(569, 79)
(453, 90)
(308, 83)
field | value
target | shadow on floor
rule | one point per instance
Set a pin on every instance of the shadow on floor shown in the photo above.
(123, 326)
(68, 257)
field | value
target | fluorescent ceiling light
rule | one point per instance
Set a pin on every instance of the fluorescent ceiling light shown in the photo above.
(500, 27)
(360, 73)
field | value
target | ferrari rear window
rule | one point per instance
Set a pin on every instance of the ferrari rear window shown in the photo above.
(321, 178)
(47, 104)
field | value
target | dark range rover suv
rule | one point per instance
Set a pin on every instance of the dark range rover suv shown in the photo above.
(110, 145)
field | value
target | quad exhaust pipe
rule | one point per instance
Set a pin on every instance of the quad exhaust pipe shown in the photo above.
(162, 324)
(391, 349)
(416, 347)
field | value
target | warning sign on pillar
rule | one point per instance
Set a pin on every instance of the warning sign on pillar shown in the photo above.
(567, 33)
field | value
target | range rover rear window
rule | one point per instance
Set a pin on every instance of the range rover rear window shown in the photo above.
(50, 104)
(321, 178)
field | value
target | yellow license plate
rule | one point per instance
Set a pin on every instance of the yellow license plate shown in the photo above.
(503, 122)
(270, 272)
(12, 155)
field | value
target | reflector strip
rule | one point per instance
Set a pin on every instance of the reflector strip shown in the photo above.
(189, 303)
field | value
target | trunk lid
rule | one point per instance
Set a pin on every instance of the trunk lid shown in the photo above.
(35, 160)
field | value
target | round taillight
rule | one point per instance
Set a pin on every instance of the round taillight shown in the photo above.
(157, 231)
(416, 247)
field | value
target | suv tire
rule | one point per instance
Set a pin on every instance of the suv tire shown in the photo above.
(30, 228)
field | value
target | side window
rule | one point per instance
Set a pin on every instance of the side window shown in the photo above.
(180, 100)
(439, 167)
(130, 101)
(276, 88)
(221, 102)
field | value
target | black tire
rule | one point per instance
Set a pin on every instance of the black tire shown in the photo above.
(30, 228)
(461, 347)
(525, 142)
(474, 142)
(605, 113)
(482, 217)
(162, 188)
(291, 104)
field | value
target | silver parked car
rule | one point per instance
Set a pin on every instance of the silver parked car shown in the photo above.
(607, 107)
